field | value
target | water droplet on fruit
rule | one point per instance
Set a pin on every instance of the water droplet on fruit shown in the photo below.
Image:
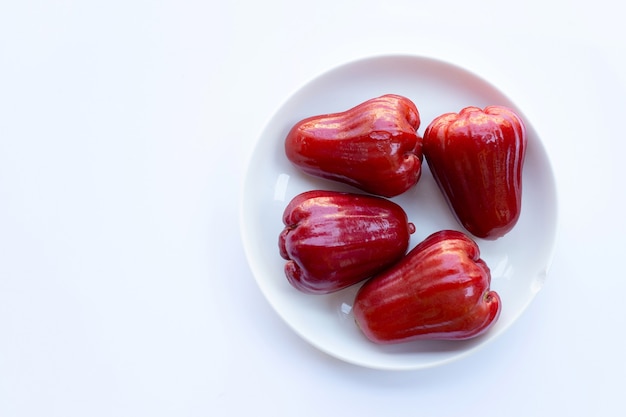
(380, 135)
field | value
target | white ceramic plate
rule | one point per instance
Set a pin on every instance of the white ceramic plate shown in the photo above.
(519, 261)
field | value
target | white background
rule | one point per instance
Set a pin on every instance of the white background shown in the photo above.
(125, 127)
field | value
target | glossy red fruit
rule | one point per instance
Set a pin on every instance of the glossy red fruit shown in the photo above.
(332, 240)
(439, 290)
(373, 146)
(476, 158)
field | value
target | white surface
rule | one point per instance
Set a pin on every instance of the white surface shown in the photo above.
(519, 261)
(124, 130)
